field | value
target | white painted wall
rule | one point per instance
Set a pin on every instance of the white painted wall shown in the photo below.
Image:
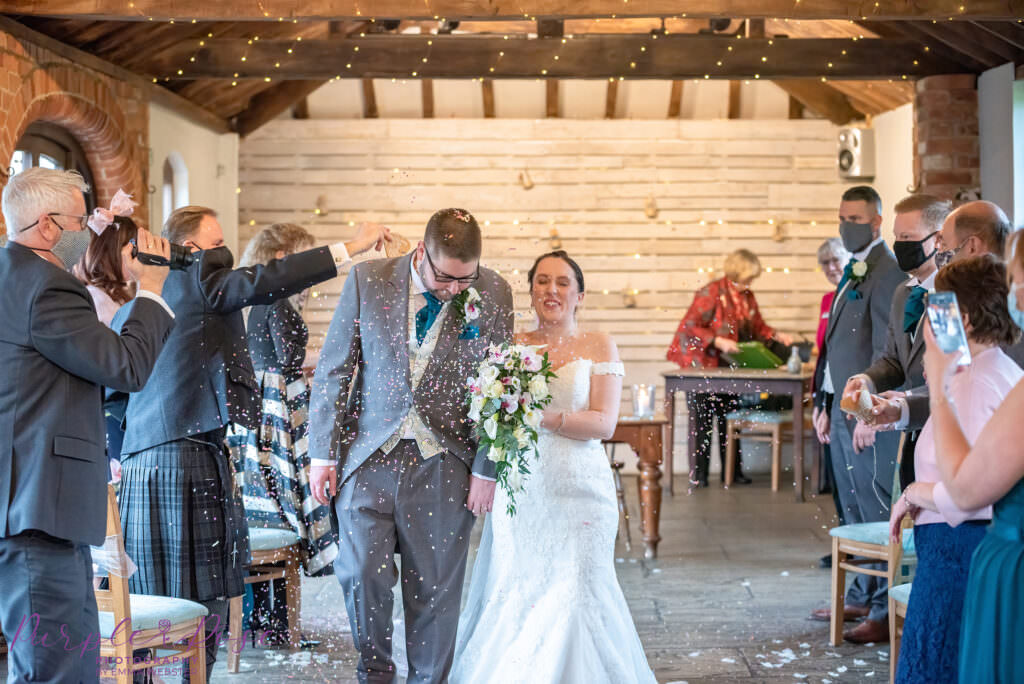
(1018, 152)
(997, 138)
(212, 162)
(894, 158)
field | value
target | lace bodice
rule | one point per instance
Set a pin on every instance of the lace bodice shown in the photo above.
(570, 391)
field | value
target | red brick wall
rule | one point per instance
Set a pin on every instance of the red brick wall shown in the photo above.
(946, 157)
(109, 118)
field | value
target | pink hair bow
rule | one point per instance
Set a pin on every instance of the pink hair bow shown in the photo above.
(121, 205)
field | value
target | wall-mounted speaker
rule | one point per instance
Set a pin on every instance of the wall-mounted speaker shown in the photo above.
(856, 156)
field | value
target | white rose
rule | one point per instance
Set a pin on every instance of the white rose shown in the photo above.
(532, 418)
(472, 295)
(475, 407)
(496, 454)
(860, 269)
(488, 374)
(494, 390)
(491, 427)
(539, 387)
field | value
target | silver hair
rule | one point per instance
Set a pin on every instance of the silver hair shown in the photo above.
(37, 191)
(833, 247)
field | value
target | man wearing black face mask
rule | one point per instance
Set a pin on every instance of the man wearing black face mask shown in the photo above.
(856, 336)
(918, 221)
(183, 523)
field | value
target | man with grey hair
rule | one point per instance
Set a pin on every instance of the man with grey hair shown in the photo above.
(57, 357)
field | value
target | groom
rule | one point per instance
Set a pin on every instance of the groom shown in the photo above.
(388, 423)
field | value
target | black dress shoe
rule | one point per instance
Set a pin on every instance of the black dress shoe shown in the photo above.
(825, 562)
(740, 478)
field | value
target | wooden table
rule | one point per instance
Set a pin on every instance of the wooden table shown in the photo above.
(649, 437)
(740, 381)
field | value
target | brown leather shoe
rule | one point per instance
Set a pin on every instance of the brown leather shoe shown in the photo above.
(869, 632)
(850, 613)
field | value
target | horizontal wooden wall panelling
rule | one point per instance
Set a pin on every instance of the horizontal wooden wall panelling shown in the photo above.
(768, 186)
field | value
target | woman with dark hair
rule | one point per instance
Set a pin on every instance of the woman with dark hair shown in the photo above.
(273, 459)
(102, 270)
(946, 534)
(723, 313)
(544, 604)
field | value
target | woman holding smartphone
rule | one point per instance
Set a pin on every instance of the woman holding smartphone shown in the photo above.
(977, 471)
(946, 534)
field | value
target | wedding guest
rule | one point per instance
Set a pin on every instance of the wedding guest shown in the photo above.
(56, 357)
(832, 259)
(102, 270)
(898, 372)
(856, 336)
(183, 522)
(989, 471)
(274, 456)
(946, 535)
(723, 313)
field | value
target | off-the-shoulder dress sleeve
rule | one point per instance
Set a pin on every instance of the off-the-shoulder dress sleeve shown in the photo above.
(608, 368)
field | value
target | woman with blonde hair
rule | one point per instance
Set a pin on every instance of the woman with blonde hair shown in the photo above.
(273, 459)
(723, 313)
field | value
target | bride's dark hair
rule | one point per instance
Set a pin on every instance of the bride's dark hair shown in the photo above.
(564, 256)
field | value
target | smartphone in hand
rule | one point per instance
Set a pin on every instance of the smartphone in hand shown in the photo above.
(948, 326)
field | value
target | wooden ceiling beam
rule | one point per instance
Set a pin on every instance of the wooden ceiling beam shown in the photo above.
(275, 10)
(976, 51)
(267, 105)
(594, 56)
(822, 100)
(911, 31)
(1009, 32)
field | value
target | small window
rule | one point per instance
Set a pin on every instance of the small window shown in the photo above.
(175, 184)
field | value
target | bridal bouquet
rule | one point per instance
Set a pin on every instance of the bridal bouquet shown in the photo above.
(506, 399)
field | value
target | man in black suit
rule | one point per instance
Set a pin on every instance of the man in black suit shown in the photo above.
(184, 525)
(56, 357)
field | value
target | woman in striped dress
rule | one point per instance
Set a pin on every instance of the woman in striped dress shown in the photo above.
(271, 463)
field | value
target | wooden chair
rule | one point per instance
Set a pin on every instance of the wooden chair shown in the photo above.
(148, 620)
(760, 426)
(270, 546)
(899, 597)
(869, 541)
(620, 492)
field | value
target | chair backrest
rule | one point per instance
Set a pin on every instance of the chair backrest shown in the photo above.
(114, 599)
(900, 572)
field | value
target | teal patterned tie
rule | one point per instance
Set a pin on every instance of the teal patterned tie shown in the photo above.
(426, 316)
(914, 309)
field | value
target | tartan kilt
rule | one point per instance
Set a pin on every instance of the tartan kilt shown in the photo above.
(272, 470)
(183, 524)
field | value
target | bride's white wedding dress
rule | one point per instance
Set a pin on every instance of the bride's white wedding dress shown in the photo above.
(544, 604)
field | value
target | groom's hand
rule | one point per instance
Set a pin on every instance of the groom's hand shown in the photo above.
(481, 495)
(321, 478)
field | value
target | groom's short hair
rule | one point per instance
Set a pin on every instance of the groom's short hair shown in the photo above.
(455, 234)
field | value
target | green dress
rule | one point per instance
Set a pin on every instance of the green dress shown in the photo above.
(993, 625)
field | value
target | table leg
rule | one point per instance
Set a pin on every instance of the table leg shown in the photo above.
(668, 437)
(649, 452)
(798, 441)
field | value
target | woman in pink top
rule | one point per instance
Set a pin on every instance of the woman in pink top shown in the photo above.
(946, 535)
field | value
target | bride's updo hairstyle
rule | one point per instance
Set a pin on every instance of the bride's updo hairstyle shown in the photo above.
(564, 256)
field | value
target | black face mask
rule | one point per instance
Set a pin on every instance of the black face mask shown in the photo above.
(910, 253)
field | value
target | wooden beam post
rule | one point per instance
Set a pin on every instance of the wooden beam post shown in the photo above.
(267, 105)
(675, 100)
(369, 100)
(551, 98)
(611, 100)
(734, 99)
(822, 100)
(427, 86)
(796, 108)
(487, 86)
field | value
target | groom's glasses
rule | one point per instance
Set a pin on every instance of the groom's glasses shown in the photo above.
(442, 277)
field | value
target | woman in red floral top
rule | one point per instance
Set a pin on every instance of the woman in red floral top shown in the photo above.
(723, 313)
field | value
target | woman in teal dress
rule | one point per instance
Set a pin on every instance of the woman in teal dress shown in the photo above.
(993, 614)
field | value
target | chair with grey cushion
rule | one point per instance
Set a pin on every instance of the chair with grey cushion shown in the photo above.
(270, 546)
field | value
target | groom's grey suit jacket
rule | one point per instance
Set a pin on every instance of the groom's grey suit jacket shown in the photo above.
(362, 388)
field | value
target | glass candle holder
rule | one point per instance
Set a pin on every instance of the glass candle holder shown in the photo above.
(643, 401)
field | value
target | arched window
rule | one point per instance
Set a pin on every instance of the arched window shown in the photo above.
(175, 186)
(52, 147)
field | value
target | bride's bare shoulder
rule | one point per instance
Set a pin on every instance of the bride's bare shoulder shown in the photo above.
(598, 346)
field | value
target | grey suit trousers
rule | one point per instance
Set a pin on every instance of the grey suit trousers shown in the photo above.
(864, 483)
(48, 610)
(402, 503)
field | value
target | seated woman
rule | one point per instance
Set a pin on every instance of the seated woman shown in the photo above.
(102, 270)
(723, 313)
(947, 533)
(274, 461)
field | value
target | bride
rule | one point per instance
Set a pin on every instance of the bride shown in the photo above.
(544, 604)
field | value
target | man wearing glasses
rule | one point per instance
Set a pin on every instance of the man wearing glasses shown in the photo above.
(391, 444)
(56, 357)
